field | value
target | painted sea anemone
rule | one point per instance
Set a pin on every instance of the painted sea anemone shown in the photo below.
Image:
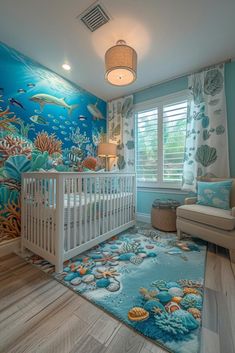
(49, 143)
(15, 166)
(90, 163)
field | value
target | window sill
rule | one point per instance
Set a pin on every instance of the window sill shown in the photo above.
(162, 189)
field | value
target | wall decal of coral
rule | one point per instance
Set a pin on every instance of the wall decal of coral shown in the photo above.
(46, 122)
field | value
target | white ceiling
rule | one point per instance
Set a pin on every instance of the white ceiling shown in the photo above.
(171, 37)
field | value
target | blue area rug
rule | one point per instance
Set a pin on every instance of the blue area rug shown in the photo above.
(148, 280)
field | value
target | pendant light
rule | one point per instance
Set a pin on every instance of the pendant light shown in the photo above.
(120, 64)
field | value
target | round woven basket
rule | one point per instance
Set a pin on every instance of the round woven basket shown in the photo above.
(163, 215)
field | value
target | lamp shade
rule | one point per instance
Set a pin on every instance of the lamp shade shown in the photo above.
(120, 64)
(107, 150)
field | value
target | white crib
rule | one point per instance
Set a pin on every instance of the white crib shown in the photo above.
(64, 214)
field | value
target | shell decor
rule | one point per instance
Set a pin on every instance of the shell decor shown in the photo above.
(138, 314)
(176, 299)
(136, 259)
(195, 312)
(213, 83)
(171, 307)
(220, 130)
(205, 121)
(188, 290)
(206, 155)
(113, 286)
(206, 135)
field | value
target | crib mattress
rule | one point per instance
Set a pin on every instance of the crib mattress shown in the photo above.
(92, 204)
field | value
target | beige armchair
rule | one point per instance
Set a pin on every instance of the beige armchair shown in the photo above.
(209, 223)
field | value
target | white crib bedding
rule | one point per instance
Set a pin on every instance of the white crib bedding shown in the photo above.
(93, 203)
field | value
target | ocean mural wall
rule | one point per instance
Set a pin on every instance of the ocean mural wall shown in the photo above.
(46, 122)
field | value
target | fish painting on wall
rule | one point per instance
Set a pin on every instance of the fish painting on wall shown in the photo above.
(46, 123)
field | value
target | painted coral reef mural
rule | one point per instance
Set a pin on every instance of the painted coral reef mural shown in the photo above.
(46, 123)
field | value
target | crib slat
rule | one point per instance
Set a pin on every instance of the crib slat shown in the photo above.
(95, 209)
(51, 219)
(85, 210)
(74, 212)
(80, 211)
(99, 207)
(103, 205)
(69, 213)
(90, 208)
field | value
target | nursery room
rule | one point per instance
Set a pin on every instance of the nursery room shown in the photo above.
(117, 176)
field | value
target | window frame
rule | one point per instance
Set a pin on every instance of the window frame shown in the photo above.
(158, 103)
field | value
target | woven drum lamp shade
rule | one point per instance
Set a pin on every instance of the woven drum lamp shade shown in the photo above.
(107, 150)
(120, 64)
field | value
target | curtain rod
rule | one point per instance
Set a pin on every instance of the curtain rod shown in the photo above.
(226, 61)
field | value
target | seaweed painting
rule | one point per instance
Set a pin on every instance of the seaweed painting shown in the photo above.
(45, 123)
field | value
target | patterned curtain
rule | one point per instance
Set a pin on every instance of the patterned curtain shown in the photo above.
(121, 131)
(206, 152)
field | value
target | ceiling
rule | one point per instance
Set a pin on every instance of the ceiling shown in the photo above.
(171, 37)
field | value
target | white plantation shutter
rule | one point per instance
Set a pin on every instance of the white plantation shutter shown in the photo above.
(161, 133)
(174, 133)
(147, 146)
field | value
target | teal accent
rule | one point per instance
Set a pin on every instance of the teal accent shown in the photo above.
(161, 90)
(146, 198)
(214, 194)
(230, 98)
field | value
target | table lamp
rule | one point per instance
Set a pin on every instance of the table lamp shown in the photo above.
(107, 150)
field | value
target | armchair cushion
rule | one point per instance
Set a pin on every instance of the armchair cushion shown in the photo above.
(211, 216)
(215, 194)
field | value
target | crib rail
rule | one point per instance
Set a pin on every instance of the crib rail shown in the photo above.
(65, 214)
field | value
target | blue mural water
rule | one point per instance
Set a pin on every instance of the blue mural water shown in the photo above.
(46, 123)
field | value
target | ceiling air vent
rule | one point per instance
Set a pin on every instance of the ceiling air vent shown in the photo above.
(94, 17)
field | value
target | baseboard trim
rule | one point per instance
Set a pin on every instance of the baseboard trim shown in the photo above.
(9, 246)
(143, 217)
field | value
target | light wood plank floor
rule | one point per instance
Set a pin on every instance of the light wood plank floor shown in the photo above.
(39, 315)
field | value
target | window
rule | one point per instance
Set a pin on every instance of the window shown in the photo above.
(161, 132)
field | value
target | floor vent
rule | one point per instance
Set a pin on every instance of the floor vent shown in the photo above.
(94, 17)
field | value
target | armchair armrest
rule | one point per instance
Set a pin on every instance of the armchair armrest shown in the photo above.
(233, 211)
(191, 201)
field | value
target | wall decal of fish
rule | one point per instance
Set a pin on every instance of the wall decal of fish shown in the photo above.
(82, 118)
(21, 90)
(15, 102)
(95, 112)
(38, 119)
(42, 99)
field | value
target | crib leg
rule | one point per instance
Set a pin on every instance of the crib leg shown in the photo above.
(22, 248)
(59, 266)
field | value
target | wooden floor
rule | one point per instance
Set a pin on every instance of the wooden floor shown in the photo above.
(37, 314)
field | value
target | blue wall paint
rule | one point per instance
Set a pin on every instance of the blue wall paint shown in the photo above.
(145, 198)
